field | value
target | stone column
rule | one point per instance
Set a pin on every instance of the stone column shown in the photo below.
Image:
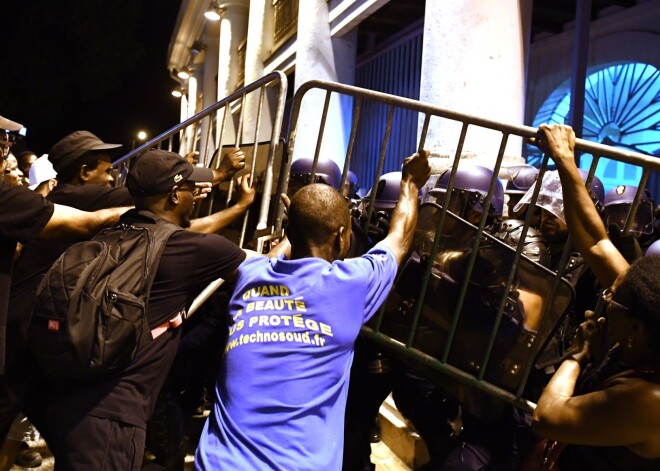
(260, 28)
(209, 89)
(183, 115)
(189, 137)
(233, 28)
(474, 58)
(320, 56)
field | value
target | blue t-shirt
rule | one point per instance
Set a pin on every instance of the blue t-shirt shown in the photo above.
(281, 390)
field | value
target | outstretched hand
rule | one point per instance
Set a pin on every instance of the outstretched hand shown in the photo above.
(247, 192)
(588, 339)
(416, 167)
(557, 140)
(232, 162)
(201, 190)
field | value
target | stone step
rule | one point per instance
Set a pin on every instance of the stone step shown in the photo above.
(400, 437)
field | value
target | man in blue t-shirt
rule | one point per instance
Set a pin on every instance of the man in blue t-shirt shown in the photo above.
(281, 390)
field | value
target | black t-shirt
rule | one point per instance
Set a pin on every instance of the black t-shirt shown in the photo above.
(23, 214)
(189, 262)
(37, 257)
(90, 197)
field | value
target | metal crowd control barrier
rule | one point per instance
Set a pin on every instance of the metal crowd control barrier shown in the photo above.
(206, 132)
(505, 377)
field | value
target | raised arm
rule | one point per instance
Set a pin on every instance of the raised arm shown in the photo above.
(70, 222)
(584, 223)
(218, 221)
(415, 172)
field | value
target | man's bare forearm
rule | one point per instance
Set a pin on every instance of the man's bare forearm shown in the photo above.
(216, 222)
(414, 174)
(404, 219)
(71, 222)
(559, 389)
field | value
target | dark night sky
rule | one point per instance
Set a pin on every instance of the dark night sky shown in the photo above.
(88, 64)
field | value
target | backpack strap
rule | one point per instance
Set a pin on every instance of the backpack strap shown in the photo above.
(159, 232)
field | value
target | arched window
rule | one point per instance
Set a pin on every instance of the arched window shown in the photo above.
(622, 109)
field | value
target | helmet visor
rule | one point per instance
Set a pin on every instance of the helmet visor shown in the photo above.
(617, 215)
(550, 196)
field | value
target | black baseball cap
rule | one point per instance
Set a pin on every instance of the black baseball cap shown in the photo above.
(157, 171)
(72, 147)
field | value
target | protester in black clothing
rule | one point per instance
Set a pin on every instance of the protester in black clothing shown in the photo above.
(24, 216)
(83, 162)
(101, 425)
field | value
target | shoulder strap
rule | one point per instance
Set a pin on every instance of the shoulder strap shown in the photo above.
(160, 233)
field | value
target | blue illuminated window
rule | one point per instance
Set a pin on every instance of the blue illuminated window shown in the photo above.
(622, 109)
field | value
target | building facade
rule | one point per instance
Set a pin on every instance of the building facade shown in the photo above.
(507, 60)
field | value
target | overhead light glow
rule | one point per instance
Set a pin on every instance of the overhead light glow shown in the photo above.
(177, 93)
(212, 15)
(183, 74)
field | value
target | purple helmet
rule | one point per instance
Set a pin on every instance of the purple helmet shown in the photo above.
(521, 178)
(653, 249)
(597, 187)
(618, 201)
(327, 171)
(471, 183)
(387, 191)
(621, 194)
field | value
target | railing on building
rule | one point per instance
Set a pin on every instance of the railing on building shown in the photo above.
(491, 377)
(217, 129)
(285, 15)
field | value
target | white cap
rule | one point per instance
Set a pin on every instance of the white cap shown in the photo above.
(40, 171)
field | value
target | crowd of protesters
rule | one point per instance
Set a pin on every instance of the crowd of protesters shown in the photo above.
(275, 355)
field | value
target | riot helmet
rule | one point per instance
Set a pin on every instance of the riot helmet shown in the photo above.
(327, 171)
(653, 249)
(618, 202)
(551, 197)
(520, 178)
(470, 190)
(388, 189)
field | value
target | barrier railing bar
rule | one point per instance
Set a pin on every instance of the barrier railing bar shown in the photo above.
(626, 156)
(275, 75)
(510, 278)
(438, 235)
(351, 141)
(319, 141)
(381, 162)
(237, 144)
(462, 376)
(630, 219)
(475, 249)
(218, 157)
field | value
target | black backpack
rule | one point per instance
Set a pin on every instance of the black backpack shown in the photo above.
(89, 315)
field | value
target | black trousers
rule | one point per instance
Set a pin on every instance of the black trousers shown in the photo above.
(94, 443)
